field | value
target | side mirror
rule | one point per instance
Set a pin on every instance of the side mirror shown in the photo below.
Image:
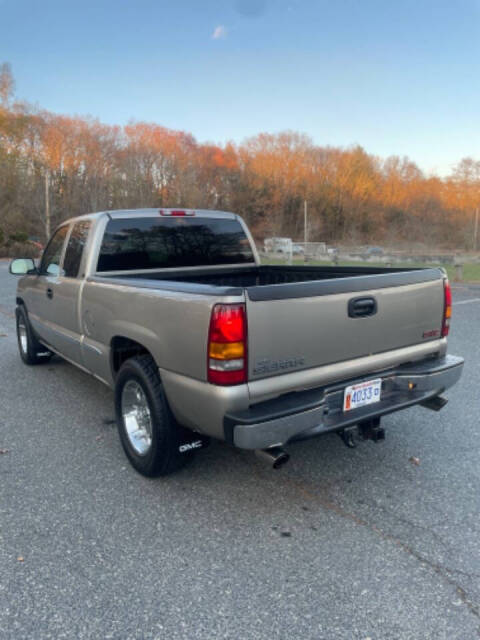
(22, 267)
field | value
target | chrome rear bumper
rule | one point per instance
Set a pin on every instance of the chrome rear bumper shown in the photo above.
(306, 414)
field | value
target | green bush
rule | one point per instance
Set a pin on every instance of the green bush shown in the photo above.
(18, 236)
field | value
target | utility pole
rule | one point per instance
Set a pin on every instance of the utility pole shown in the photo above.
(305, 230)
(305, 222)
(475, 230)
(47, 204)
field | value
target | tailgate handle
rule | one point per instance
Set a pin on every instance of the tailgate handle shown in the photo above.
(362, 307)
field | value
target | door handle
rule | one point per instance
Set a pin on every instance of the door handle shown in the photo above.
(50, 293)
(362, 307)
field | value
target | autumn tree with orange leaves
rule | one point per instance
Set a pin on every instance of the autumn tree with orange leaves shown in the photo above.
(67, 166)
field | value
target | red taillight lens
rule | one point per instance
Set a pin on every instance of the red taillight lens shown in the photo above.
(447, 308)
(227, 345)
(228, 323)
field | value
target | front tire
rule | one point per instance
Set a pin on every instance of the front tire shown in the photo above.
(31, 350)
(148, 431)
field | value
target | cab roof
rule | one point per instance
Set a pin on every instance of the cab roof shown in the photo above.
(150, 212)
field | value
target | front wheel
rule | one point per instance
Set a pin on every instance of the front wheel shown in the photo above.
(31, 350)
(148, 431)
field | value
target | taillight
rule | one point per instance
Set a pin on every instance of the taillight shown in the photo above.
(227, 345)
(447, 308)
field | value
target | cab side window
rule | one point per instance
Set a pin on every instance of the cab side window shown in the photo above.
(76, 244)
(50, 264)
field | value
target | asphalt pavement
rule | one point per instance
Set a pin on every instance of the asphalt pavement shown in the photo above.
(379, 542)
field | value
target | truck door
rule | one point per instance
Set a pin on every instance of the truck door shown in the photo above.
(63, 315)
(39, 309)
(59, 287)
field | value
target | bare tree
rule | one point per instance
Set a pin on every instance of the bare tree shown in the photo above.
(7, 84)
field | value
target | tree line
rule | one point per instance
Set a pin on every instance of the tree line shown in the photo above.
(53, 167)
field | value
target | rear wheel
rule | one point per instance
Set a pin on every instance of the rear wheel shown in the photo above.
(148, 431)
(31, 350)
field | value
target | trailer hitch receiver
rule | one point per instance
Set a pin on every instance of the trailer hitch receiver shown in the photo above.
(371, 430)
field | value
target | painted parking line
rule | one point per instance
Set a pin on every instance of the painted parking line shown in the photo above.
(455, 304)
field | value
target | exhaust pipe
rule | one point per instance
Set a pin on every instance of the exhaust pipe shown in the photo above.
(275, 456)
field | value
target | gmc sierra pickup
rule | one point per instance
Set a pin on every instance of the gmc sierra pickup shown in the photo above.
(173, 310)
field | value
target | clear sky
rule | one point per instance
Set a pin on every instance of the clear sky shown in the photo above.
(396, 77)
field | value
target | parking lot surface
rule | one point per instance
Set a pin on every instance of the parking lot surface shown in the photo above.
(379, 542)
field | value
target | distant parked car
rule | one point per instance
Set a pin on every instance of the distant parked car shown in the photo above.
(278, 245)
(374, 251)
(298, 249)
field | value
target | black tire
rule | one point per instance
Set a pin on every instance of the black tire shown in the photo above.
(162, 457)
(31, 350)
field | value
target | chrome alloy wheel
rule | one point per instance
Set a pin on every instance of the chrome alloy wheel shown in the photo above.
(137, 417)
(22, 335)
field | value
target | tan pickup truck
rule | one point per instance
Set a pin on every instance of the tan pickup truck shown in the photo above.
(173, 310)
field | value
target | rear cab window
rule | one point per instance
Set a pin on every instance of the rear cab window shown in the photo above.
(160, 243)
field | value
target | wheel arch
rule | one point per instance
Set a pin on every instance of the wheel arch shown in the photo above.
(122, 348)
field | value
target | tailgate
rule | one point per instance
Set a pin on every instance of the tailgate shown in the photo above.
(287, 334)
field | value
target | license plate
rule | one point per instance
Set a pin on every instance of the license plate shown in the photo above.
(359, 395)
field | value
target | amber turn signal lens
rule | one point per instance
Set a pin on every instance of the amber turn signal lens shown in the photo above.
(226, 350)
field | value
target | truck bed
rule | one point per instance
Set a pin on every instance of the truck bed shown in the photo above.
(265, 275)
(262, 282)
